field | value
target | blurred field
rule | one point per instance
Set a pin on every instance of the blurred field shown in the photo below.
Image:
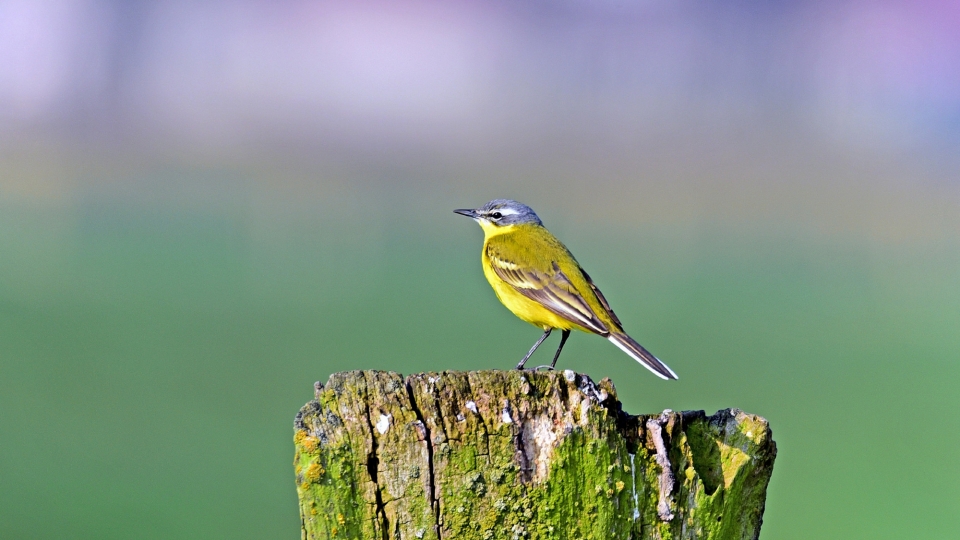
(205, 209)
(154, 355)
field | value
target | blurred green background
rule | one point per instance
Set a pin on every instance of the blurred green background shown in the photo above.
(205, 208)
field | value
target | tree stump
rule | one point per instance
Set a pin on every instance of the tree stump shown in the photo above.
(520, 455)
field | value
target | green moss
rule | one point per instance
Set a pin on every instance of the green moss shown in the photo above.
(518, 455)
(705, 454)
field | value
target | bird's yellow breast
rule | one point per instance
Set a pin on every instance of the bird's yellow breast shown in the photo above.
(521, 306)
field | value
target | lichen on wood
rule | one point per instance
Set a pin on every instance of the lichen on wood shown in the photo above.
(520, 455)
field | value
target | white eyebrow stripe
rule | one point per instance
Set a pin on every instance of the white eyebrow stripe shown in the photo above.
(508, 211)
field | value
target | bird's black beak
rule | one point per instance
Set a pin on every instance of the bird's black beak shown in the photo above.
(466, 212)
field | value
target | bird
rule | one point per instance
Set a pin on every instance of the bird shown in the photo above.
(537, 278)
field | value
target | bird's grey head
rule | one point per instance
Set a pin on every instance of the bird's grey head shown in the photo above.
(502, 212)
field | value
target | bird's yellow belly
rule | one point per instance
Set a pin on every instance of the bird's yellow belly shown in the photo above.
(523, 307)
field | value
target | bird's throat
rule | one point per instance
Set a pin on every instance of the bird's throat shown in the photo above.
(490, 230)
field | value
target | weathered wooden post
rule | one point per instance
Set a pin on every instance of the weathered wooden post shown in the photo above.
(520, 455)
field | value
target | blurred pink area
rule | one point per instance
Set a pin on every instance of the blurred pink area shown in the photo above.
(429, 70)
(683, 110)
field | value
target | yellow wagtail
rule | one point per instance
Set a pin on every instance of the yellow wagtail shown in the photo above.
(538, 279)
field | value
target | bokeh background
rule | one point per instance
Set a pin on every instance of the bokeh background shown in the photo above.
(207, 206)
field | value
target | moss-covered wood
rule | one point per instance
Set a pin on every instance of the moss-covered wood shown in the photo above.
(520, 455)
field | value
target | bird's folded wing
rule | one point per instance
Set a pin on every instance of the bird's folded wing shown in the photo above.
(550, 288)
(601, 298)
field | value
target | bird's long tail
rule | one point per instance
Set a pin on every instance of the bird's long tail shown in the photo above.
(638, 353)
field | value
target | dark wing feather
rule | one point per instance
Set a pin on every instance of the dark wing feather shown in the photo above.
(603, 301)
(553, 290)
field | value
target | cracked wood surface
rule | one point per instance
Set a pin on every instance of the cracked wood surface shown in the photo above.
(520, 455)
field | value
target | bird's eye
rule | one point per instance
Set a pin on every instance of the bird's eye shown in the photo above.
(496, 215)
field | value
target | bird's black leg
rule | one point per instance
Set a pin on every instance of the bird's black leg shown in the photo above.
(535, 345)
(563, 339)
